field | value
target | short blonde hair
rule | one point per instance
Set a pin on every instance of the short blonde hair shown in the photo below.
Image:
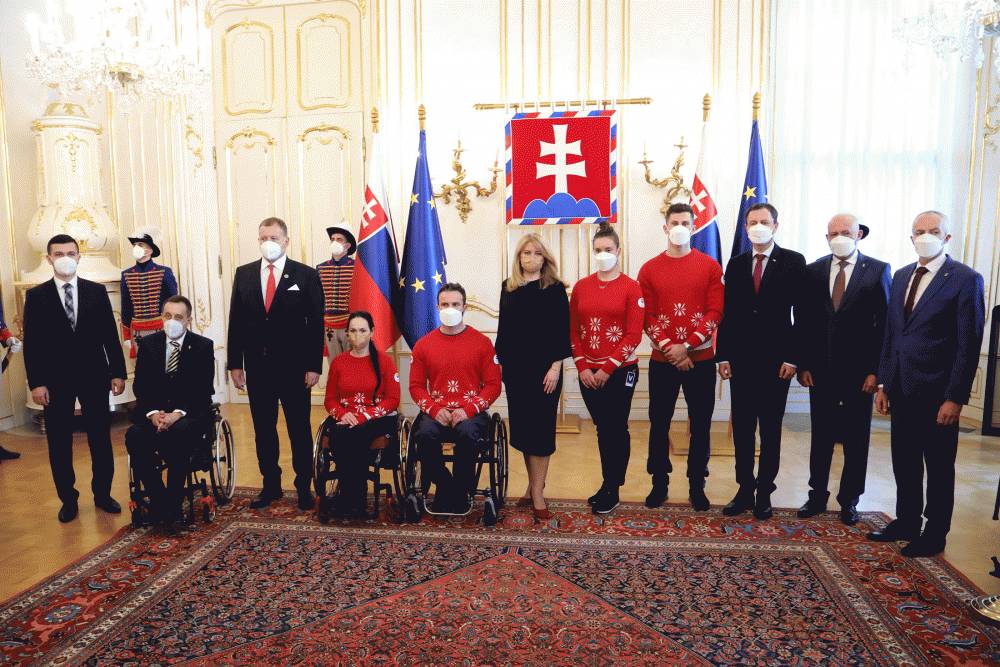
(550, 269)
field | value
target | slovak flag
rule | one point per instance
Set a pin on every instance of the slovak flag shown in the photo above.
(705, 236)
(375, 285)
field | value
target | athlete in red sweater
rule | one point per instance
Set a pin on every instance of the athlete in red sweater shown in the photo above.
(605, 321)
(362, 396)
(684, 296)
(454, 378)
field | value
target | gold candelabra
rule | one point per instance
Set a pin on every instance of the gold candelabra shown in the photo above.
(674, 182)
(458, 186)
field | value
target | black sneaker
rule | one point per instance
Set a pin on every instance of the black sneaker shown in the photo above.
(607, 502)
(597, 496)
(699, 501)
(658, 494)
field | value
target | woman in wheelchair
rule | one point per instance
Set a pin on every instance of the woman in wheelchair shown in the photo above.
(362, 395)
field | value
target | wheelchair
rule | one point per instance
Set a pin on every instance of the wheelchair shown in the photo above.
(327, 482)
(493, 455)
(215, 454)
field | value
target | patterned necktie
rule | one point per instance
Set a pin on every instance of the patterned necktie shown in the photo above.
(271, 288)
(68, 305)
(175, 358)
(911, 298)
(839, 284)
(758, 272)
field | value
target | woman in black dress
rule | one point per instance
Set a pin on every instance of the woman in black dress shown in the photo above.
(532, 341)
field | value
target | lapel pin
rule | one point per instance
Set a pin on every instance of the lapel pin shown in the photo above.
(285, 276)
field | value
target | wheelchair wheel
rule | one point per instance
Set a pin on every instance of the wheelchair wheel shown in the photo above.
(319, 464)
(398, 473)
(501, 455)
(411, 475)
(489, 513)
(223, 468)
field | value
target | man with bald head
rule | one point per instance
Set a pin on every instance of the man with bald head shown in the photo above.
(840, 328)
(934, 331)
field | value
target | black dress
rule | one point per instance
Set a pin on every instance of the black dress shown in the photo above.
(532, 334)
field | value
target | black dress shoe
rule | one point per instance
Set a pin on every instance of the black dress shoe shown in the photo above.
(810, 509)
(658, 494)
(109, 505)
(894, 532)
(606, 502)
(849, 515)
(923, 547)
(307, 501)
(740, 503)
(699, 501)
(68, 512)
(264, 499)
(762, 510)
(7, 455)
(597, 496)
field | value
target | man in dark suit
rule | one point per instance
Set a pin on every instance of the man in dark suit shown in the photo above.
(72, 352)
(757, 353)
(276, 353)
(173, 385)
(840, 323)
(933, 335)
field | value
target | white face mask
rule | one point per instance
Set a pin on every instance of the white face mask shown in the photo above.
(173, 329)
(337, 249)
(65, 266)
(271, 251)
(605, 261)
(679, 235)
(138, 252)
(928, 245)
(842, 246)
(450, 317)
(760, 234)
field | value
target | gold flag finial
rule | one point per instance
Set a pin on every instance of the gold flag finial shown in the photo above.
(706, 104)
(374, 120)
(756, 105)
(421, 115)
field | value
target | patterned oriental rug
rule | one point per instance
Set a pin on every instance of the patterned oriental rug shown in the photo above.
(639, 586)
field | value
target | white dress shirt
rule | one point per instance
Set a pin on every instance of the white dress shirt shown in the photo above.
(166, 361)
(74, 283)
(848, 270)
(932, 267)
(279, 268)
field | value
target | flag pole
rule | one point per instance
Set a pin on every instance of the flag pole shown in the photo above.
(706, 105)
(374, 120)
(421, 116)
(756, 106)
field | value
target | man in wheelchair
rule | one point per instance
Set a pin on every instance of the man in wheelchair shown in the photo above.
(454, 378)
(173, 385)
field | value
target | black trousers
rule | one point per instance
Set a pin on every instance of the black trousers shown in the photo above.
(267, 388)
(467, 436)
(59, 434)
(174, 446)
(665, 382)
(843, 416)
(917, 440)
(758, 400)
(609, 407)
(352, 453)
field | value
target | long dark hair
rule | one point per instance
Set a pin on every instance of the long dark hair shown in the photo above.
(372, 350)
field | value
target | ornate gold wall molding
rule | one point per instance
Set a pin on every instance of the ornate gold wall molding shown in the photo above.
(216, 8)
(263, 105)
(343, 27)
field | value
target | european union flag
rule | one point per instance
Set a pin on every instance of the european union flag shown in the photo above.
(422, 268)
(754, 192)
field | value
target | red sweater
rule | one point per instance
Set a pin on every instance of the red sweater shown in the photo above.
(684, 297)
(350, 384)
(605, 322)
(454, 371)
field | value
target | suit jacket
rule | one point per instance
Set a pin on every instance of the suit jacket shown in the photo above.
(936, 351)
(56, 355)
(757, 328)
(289, 338)
(840, 348)
(190, 389)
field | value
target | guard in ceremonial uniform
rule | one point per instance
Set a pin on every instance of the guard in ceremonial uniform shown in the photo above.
(145, 288)
(336, 274)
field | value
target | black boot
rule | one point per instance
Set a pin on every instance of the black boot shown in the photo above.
(658, 494)
(699, 501)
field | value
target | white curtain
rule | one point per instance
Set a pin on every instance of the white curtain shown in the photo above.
(865, 123)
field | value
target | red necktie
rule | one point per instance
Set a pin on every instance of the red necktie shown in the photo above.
(271, 288)
(758, 271)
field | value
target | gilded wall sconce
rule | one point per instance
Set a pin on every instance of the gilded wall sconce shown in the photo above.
(458, 185)
(674, 182)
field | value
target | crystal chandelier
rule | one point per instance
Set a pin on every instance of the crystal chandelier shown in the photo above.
(132, 48)
(956, 26)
